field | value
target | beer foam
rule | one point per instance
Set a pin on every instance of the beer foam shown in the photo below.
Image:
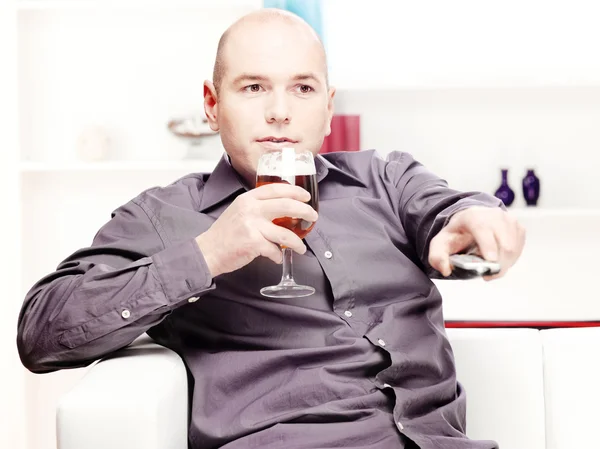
(304, 168)
(295, 167)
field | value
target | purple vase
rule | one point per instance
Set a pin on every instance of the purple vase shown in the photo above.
(504, 192)
(531, 188)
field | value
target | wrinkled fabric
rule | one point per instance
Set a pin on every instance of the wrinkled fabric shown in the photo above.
(363, 363)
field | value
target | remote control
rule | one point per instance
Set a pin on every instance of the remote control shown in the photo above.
(469, 266)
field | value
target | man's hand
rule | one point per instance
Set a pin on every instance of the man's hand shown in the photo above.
(245, 230)
(497, 234)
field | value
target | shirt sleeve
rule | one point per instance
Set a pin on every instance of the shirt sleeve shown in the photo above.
(426, 203)
(103, 297)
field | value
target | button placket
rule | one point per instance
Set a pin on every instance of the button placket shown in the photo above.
(338, 275)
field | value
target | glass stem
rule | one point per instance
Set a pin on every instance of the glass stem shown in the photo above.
(287, 277)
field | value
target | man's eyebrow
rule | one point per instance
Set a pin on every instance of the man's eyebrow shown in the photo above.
(249, 77)
(306, 76)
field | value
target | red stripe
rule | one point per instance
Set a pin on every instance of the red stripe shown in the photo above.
(495, 324)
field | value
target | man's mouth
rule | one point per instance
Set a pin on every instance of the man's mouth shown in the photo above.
(277, 140)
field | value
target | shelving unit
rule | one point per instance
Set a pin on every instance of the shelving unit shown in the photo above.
(551, 213)
(128, 66)
(119, 166)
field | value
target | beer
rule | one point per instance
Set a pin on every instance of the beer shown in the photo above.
(289, 166)
(309, 183)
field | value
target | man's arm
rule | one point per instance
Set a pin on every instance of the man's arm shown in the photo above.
(426, 203)
(103, 297)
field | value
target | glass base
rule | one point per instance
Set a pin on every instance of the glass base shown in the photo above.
(287, 291)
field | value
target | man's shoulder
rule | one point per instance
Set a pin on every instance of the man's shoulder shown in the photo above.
(185, 192)
(357, 159)
(366, 164)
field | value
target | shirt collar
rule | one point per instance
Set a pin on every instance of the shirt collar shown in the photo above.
(324, 167)
(224, 181)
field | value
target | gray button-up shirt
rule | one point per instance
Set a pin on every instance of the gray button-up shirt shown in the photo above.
(363, 363)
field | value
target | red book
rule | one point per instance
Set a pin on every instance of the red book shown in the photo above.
(345, 134)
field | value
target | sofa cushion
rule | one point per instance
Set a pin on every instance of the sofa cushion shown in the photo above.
(502, 373)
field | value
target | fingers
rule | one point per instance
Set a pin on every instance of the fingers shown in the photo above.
(510, 238)
(280, 190)
(271, 251)
(496, 234)
(495, 276)
(485, 238)
(284, 207)
(282, 236)
(443, 245)
(245, 230)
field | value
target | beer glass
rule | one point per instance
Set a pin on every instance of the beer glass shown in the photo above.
(286, 165)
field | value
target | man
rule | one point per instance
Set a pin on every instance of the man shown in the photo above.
(362, 363)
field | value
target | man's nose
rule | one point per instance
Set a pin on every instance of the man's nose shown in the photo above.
(278, 109)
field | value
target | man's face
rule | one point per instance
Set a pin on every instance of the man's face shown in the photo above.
(273, 94)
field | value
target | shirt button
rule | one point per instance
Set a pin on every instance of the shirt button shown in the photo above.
(125, 313)
(381, 342)
(193, 299)
(328, 254)
(387, 386)
(348, 313)
(400, 426)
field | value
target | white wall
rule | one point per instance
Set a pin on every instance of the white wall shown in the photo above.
(462, 43)
(12, 411)
(467, 135)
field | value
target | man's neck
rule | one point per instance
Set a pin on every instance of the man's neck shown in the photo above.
(245, 182)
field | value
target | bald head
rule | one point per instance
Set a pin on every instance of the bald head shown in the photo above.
(268, 20)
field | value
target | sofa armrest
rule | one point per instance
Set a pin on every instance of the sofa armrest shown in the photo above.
(136, 398)
(571, 374)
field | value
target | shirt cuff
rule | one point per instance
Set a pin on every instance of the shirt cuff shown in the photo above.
(465, 203)
(182, 271)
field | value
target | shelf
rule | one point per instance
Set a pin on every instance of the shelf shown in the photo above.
(207, 166)
(470, 86)
(190, 166)
(542, 212)
(26, 5)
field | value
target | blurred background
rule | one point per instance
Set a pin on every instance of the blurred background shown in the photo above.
(100, 100)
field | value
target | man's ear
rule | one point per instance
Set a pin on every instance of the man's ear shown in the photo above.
(211, 105)
(330, 109)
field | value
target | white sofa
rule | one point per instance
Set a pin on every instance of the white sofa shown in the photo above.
(526, 389)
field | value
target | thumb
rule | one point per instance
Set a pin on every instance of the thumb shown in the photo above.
(444, 244)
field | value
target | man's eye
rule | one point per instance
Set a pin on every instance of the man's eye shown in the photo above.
(252, 88)
(305, 89)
